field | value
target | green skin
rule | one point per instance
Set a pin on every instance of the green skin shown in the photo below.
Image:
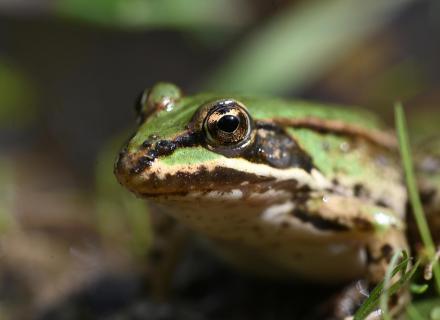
(340, 204)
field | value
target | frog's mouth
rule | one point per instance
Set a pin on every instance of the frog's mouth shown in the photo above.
(156, 181)
(221, 176)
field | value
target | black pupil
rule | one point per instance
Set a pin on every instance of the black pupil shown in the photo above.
(228, 123)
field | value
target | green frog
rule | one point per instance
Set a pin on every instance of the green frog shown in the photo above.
(286, 189)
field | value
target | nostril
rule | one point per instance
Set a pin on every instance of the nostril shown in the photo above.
(151, 154)
(164, 147)
(146, 144)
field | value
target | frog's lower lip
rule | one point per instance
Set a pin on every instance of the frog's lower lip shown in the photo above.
(180, 183)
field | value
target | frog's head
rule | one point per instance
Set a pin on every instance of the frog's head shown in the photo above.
(207, 143)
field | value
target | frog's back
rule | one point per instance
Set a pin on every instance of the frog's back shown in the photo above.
(266, 108)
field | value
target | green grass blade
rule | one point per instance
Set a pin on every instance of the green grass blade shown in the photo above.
(414, 197)
(387, 284)
(373, 300)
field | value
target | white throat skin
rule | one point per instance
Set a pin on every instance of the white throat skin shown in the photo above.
(257, 231)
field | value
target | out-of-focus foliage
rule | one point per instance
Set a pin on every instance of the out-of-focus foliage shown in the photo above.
(181, 14)
(426, 125)
(6, 195)
(425, 309)
(301, 44)
(17, 95)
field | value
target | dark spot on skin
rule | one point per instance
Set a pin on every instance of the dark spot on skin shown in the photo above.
(151, 154)
(394, 300)
(335, 181)
(142, 163)
(387, 252)
(382, 203)
(189, 139)
(357, 189)
(273, 146)
(362, 224)
(302, 195)
(165, 147)
(318, 221)
(360, 191)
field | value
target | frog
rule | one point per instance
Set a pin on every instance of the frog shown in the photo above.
(277, 188)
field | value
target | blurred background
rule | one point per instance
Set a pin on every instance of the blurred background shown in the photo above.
(72, 241)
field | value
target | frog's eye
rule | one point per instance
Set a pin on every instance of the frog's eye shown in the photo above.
(227, 124)
(162, 96)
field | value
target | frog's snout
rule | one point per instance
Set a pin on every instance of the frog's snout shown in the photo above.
(137, 168)
(123, 167)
